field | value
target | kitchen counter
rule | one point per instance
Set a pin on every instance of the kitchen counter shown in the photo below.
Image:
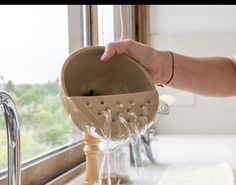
(183, 149)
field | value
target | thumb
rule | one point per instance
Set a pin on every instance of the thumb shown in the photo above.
(108, 54)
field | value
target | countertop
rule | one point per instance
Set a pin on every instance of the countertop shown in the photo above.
(183, 149)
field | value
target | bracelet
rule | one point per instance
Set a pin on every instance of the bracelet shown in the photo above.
(172, 63)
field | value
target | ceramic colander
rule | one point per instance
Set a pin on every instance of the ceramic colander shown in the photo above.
(121, 86)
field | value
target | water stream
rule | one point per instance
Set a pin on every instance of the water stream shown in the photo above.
(112, 149)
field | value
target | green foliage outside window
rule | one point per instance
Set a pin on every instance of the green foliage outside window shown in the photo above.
(44, 124)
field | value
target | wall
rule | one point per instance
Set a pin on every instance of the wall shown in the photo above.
(197, 30)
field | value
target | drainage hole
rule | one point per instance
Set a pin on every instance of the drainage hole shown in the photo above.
(102, 102)
(119, 104)
(128, 110)
(99, 113)
(149, 102)
(141, 105)
(128, 120)
(131, 102)
(113, 120)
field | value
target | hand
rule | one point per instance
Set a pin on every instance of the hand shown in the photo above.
(154, 61)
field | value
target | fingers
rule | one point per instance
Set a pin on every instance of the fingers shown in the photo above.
(118, 47)
(109, 52)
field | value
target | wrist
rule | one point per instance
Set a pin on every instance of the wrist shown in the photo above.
(165, 67)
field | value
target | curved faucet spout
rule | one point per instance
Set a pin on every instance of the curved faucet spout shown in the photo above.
(13, 138)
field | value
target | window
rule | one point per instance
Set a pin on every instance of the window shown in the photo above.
(35, 42)
(34, 45)
(105, 24)
(114, 23)
(118, 22)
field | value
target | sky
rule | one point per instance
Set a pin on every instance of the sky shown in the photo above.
(33, 42)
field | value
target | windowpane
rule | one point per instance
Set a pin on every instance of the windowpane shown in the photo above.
(34, 45)
(105, 24)
(114, 23)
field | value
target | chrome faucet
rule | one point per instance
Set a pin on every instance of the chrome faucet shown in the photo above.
(13, 138)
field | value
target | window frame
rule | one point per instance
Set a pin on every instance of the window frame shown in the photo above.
(136, 22)
(47, 167)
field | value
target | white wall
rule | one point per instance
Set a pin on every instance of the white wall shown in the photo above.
(197, 30)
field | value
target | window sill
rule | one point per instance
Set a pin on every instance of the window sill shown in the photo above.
(50, 166)
(74, 176)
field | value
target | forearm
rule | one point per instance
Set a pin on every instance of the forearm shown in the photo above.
(208, 76)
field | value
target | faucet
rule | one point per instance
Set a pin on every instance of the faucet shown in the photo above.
(13, 138)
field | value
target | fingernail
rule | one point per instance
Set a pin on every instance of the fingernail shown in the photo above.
(103, 57)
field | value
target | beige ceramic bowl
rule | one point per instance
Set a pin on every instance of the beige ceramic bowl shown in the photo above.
(123, 88)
